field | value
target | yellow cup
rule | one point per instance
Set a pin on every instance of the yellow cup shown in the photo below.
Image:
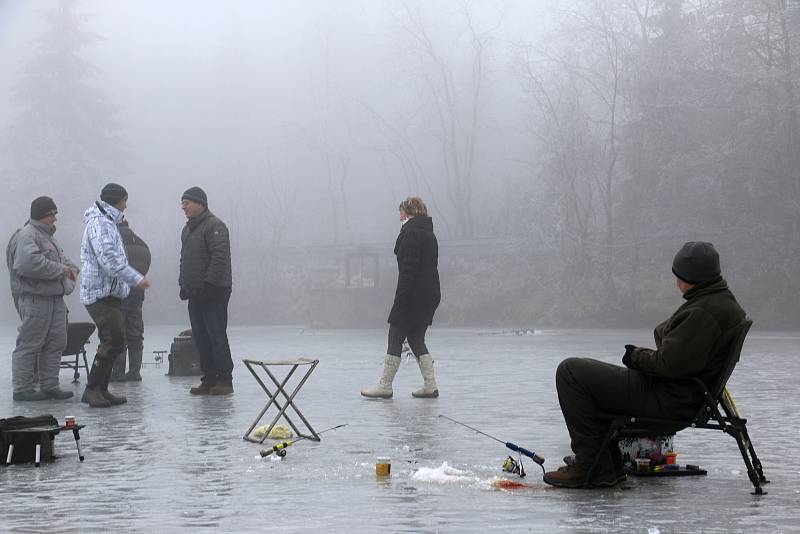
(383, 467)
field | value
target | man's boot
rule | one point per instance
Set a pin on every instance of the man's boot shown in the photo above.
(221, 388)
(94, 398)
(92, 394)
(30, 395)
(384, 388)
(58, 394)
(619, 467)
(118, 370)
(203, 389)
(429, 389)
(134, 363)
(574, 476)
(113, 399)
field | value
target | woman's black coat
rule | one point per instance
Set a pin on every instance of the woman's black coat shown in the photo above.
(418, 294)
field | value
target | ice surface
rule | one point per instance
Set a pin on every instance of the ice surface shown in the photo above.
(170, 462)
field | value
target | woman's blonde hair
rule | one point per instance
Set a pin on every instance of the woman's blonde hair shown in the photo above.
(414, 206)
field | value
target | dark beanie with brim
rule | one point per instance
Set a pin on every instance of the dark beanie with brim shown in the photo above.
(696, 262)
(41, 207)
(195, 194)
(112, 193)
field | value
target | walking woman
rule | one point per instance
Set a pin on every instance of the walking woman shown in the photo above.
(415, 301)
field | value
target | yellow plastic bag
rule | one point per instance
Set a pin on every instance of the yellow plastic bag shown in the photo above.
(277, 432)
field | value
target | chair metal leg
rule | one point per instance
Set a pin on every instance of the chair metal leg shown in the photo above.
(756, 462)
(75, 374)
(739, 434)
(85, 364)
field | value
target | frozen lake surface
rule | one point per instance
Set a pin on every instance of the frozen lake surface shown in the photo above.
(168, 462)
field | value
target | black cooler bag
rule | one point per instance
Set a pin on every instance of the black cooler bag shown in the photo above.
(25, 443)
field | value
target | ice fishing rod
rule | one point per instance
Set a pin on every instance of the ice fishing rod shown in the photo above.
(512, 446)
(280, 448)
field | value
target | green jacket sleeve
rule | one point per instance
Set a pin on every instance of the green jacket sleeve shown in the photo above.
(685, 346)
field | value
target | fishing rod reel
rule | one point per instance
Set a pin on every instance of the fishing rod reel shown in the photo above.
(514, 467)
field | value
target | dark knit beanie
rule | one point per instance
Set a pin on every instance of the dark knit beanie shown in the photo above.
(41, 207)
(195, 194)
(696, 262)
(113, 193)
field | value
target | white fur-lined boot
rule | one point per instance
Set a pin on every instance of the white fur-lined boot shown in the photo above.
(384, 388)
(429, 389)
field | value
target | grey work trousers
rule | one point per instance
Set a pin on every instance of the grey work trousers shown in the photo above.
(41, 340)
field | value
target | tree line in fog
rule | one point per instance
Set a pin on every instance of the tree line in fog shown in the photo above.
(595, 151)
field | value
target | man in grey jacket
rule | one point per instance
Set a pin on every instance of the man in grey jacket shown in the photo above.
(106, 280)
(205, 281)
(40, 277)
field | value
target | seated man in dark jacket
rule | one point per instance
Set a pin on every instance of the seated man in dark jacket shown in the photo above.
(655, 383)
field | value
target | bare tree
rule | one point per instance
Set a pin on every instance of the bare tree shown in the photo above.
(456, 107)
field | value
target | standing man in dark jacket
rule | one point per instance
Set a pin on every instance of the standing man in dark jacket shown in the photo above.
(416, 299)
(139, 258)
(205, 281)
(694, 342)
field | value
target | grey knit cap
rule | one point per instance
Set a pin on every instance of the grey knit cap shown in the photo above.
(696, 262)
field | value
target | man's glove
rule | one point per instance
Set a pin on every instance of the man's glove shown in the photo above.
(627, 359)
(183, 294)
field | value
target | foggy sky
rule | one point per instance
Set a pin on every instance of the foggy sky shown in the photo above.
(307, 122)
(245, 98)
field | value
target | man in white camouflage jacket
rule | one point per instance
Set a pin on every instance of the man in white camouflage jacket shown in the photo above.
(105, 281)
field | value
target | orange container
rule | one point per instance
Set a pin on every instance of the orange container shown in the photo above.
(383, 467)
(672, 458)
(643, 465)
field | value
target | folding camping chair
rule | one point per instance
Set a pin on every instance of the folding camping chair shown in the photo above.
(77, 338)
(281, 390)
(708, 416)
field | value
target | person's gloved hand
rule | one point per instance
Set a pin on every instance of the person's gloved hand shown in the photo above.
(627, 358)
(183, 294)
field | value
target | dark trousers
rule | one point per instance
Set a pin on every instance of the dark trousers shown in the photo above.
(586, 387)
(107, 315)
(134, 337)
(415, 336)
(209, 318)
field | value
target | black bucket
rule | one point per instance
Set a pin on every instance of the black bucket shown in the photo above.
(184, 359)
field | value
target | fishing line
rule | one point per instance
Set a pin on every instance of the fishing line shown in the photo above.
(510, 465)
